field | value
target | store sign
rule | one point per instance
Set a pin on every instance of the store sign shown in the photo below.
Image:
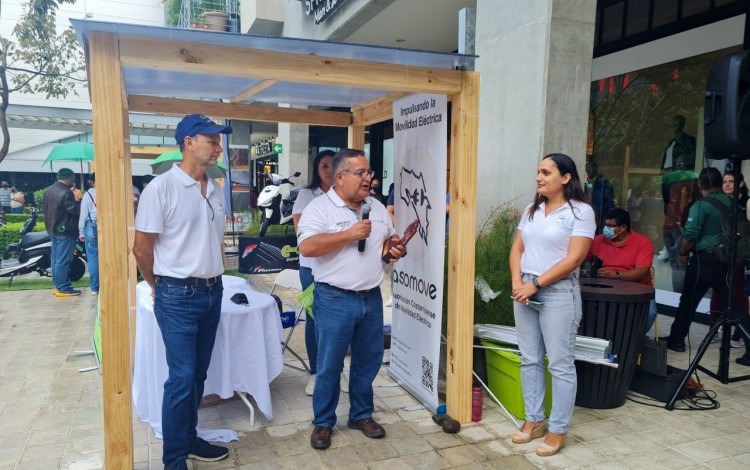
(265, 148)
(321, 9)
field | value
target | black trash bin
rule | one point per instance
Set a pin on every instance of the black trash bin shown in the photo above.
(617, 311)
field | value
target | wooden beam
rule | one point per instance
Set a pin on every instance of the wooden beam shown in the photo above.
(111, 136)
(253, 90)
(223, 61)
(375, 111)
(356, 137)
(244, 112)
(461, 241)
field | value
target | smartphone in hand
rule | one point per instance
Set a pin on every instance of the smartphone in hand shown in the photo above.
(537, 303)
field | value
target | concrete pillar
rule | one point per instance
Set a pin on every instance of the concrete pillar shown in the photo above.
(295, 154)
(535, 65)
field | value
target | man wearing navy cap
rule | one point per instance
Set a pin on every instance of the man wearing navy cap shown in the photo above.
(178, 245)
(61, 211)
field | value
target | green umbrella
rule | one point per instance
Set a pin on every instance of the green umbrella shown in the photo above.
(165, 161)
(71, 152)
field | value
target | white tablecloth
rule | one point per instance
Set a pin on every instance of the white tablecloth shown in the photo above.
(246, 357)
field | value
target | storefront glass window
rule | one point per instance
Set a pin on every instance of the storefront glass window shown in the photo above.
(646, 139)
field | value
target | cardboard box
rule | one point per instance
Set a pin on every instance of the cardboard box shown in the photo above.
(504, 379)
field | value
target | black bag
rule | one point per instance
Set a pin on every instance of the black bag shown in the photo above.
(743, 233)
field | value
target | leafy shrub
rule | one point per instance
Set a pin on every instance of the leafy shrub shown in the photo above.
(492, 249)
(16, 218)
(494, 239)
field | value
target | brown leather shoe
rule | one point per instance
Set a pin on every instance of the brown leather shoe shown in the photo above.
(321, 437)
(368, 427)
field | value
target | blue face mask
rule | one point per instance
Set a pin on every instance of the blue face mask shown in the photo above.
(609, 232)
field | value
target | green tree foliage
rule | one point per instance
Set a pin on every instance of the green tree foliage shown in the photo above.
(38, 60)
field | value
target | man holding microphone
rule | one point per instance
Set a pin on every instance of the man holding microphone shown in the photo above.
(346, 243)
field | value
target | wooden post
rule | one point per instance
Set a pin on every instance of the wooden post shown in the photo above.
(356, 138)
(114, 210)
(461, 241)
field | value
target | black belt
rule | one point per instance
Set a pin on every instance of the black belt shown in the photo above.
(348, 291)
(191, 281)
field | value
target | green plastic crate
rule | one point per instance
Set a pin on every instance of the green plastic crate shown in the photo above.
(504, 377)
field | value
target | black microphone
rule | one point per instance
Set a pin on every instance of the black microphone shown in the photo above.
(366, 208)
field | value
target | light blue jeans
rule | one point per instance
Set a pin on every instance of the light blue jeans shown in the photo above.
(92, 254)
(551, 329)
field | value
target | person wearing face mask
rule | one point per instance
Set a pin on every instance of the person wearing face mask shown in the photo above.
(626, 255)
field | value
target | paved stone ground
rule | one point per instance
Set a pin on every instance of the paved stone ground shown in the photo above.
(51, 415)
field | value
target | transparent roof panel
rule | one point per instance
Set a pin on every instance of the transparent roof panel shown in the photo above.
(316, 95)
(171, 83)
(389, 55)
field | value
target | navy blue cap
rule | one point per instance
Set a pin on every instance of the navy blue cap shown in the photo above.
(195, 124)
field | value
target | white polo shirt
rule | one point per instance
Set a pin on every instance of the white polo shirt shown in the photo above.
(346, 268)
(190, 226)
(303, 199)
(546, 238)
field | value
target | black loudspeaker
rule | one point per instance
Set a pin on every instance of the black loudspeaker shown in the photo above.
(727, 107)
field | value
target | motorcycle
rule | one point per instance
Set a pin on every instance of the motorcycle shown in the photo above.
(275, 208)
(33, 253)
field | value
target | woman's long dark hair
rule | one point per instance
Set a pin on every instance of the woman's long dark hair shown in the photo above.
(573, 191)
(316, 181)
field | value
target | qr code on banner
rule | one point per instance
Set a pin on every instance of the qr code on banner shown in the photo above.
(427, 373)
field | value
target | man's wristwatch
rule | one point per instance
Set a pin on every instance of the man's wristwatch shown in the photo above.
(618, 276)
(536, 283)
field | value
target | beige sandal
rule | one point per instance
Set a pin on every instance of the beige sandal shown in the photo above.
(522, 437)
(546, 450)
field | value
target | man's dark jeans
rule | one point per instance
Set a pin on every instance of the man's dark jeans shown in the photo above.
(703, 271)
(344, 318)
(60, 258)
(188, 316)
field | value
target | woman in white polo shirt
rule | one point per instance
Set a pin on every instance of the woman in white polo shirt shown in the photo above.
(322, 181)
(554, 236)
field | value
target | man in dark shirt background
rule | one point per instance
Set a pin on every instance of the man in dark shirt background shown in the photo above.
(61, 210)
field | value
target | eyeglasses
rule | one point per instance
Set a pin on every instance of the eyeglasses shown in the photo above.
(362, 174)
(210, 207)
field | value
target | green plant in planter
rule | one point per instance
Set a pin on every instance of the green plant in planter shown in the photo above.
(492, 249)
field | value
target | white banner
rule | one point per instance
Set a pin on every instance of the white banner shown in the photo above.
(420, 149)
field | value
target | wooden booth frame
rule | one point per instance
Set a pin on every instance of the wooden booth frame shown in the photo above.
(112, 49)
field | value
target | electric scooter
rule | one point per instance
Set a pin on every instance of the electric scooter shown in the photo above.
(33, 253)
(275, 208)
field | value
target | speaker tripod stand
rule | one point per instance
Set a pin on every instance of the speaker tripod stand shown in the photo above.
(726, 320)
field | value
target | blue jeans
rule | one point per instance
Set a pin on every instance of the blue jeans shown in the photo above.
(188, 316)
(16, 210)
(61, 256)
(306, 279)
(550, 328)
(92, 254)
(343, 318)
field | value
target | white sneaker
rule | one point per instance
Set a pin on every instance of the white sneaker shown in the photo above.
(740, 343)
(389, 302)
(310, 387)
(663, 255)
(344, 382)
(94, 292)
